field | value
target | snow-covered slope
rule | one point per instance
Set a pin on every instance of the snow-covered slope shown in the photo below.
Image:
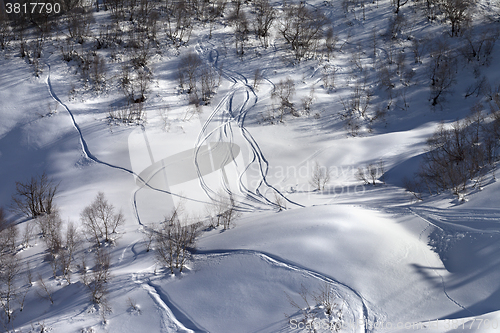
(390, 263)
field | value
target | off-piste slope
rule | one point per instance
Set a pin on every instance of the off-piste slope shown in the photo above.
(380, 264)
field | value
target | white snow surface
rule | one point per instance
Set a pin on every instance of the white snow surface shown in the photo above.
(433, 266)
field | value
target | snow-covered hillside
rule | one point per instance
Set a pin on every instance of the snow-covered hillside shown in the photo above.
(291, 161)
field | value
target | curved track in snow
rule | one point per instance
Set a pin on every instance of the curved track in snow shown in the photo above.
(367, 316)
(228, 114)
(170, 321)
(443, 284)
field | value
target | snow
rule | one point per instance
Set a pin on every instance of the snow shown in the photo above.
(432, 265)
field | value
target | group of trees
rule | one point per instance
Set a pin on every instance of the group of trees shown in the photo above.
(461, 154)
(63, 246)
(197, 79)
(173, 242)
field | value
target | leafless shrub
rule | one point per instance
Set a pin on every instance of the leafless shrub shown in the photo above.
(413, 187)
(307, 102)
(143, 79)
(98, 72)
(35, 197)
(442, 71)
(96, 280)
(457, 12)
(8, 236)
(302, 29)
(188, 71)
(264, 17)
(132, 305)
(331, 40)
(320, 176)
(78, 24)
(222, 211)
(45, 291)
(325, 298)
(50, 228)
(100, 220)
(131, 114)
(149, 236)
(356, 107)
(257, 77)
(478, 47)
(208, 82)
(280, 201)
(283, 92)
(9, 271)
(328, 78)
(67, 255)
(371, 173)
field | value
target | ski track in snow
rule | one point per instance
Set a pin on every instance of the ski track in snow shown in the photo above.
(281, 262)
(169, 322)
(228, 115)
(429, 223)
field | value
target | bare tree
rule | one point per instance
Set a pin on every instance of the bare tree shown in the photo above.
(188, 71)
(179, 21)
(372, 173)
(78, 24)
(208, 83)
(241, 31)
(398, 4)
(98, 72)
(222, 211)
(460, 154)
(418, 47)
(143, 79)
(457, 12)
(9, 272)
(284, 91)
(302, 28)
(174, 241)
(320, 176)
(72, 242)
(97, 280)
(6, 34)
(331, 40)
(45, 290)
(257, 77)
(50, 227)
(8, 236)
(35, 197)
(264, 17)
(442, 71)
(100, 220)
(478, 47)
(214, 10)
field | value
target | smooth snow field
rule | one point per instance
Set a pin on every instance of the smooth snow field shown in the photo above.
(348, 255)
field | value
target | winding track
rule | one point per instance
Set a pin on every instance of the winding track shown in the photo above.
(275, 260)
(224, 132)
(429, 223)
